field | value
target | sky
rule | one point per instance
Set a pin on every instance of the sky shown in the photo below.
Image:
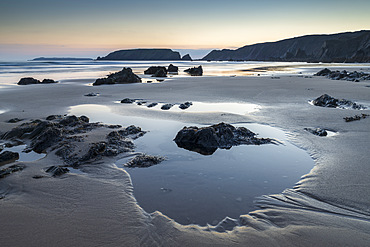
(91, 28)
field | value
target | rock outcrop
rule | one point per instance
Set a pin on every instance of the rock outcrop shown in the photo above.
(121, 77)
(154, 69)
(342, 47)
(206, 140)
(8, 156)
(344, 75)
(173, 69)
(31, 80)
(187, 57)
(326, 100)
(143, 54)
(195, 71)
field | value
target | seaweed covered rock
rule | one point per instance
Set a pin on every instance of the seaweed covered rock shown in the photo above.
(326, 100)
(8, 156)
(206, 140)
(144, 160)
(124, 76)
(195, 71)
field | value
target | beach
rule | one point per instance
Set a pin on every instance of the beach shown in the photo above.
(95, 205)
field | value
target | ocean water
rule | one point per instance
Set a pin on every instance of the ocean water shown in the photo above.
(75, 71)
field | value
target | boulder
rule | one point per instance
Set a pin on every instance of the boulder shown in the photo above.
(173, 69)
(8, 156)
(28, 81)
(166, 106)
(127, 101)
(326, 100)
(152, 105)
(144, 160)
(195, 71)
(323, 72)
(124, 76)
(185, 105)
(48, 81)
(160, 73)
(154, 69)
(91, 94)
(206, 140)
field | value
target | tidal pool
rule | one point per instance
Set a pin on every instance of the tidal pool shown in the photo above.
(23, 156)
(195, 189)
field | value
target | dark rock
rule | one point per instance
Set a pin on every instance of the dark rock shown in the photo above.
(8, 156)
(124, 76)
(185, 105)
(14, 120)
(343, 75)
(28, 81)
(187, 58)
(127, 101)
(166, 106)
(11, 169)
(326, 100)
(323, 72)
(37, 176)
(48, 81)
(356, 117)
(57, 171)
(152, 105)
(46, 139)
(160, 73)
(53, 117)
(173, 69)
(91, 94)
(206, 140)
(144, 160)
(69, 120)
(154, 69)
(317, 131)
(195, 71)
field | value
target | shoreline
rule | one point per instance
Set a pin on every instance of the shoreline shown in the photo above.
(320, 208)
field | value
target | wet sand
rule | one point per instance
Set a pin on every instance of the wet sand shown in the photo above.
(328, 207)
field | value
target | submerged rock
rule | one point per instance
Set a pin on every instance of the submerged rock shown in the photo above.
(195, 71)
(124, 76)
(144, 160)
(11, 169)
(326, 100)
(206, 140)
(185, 105)
(8, 156)
(317, 131)
(57, 171)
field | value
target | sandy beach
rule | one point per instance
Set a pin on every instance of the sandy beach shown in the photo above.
(95, 206)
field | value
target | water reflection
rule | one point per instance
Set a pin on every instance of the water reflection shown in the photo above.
(23, 156)
(192, 188)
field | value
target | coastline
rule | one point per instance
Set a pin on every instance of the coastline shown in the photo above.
(329, 205)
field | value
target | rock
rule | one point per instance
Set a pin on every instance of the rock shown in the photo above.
(154, 69)
(8, 156)
(160, 73)
(124, 76)
(326, 100)
(143, 54)
(127, 101)
(356, 117)
(206, 140)
(166, 106)
(195, 71)
(11, 169)
(317, 131)
(173, 69)
(57, 171)
(185, 105)
(91, 94)
(323, 72)
(14, 120)
(48, 81)
(46, 139)
(187, 58)
(152, 105)
(28, 81)
(144, 160)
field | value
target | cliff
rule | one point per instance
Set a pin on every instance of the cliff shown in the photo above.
(341, 47)
(143, 54)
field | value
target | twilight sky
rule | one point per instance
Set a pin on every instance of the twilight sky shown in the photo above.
(90, 28)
